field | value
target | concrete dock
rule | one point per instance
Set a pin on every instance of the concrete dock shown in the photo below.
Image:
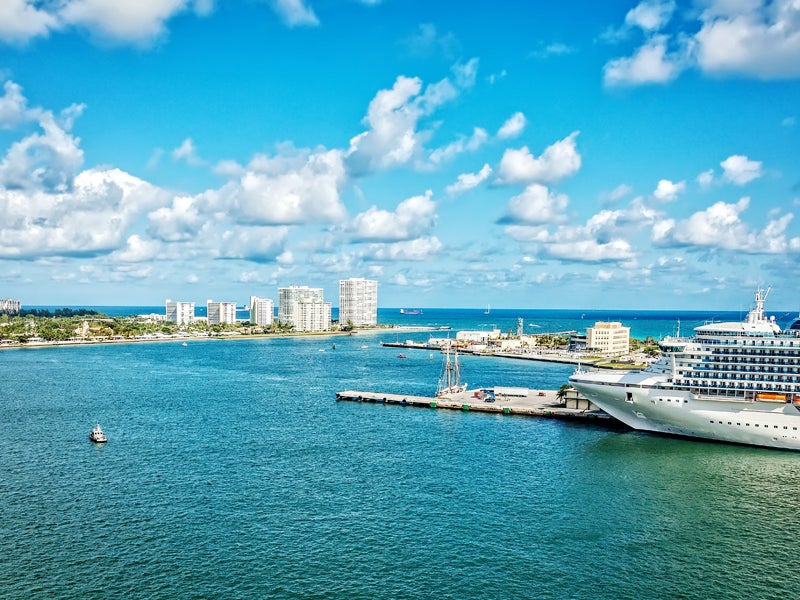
(507, 401)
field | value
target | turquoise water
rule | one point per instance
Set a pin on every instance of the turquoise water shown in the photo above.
(231, 471)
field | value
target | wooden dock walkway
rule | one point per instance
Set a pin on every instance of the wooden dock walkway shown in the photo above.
(535, 403)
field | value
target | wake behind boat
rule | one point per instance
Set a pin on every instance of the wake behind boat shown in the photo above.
(733, 382)
(97, 435)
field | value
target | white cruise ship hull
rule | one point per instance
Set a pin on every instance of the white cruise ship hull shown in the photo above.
(631, 399)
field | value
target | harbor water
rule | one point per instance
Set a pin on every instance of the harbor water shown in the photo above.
(231, 471)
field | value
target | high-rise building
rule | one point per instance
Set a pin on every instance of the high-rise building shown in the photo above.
(288, 298)
(358, 301)
(312, 315)
(181, 313)
(221, 312)
(262, 310)
(10, 307)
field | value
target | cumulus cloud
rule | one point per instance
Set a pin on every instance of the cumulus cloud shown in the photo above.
(740, 170)
(137, 249)
(136, 22)
(90, 219)
(177, 223)
(755, 38)
(392, 137)
(513, 126)
(47, 161)
(420, 249)
(535, 205)
(651, 63)
(667, 191)
(289, 190)
(559, 160)
(256, 244)
(21, 20)
(604, 237)
(187, 152)
(13, 106)
(650, 15)
(467, 181)
(619, 192)
(413, 217)
(706, 178)
(720, 226)
(461, 145)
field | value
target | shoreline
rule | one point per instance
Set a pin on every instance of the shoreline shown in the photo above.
(195, 338)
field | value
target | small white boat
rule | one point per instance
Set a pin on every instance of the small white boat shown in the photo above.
(184, 344)
(97, 435)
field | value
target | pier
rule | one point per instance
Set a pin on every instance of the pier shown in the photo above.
(506, 401)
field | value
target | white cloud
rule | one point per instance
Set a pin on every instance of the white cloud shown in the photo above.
(392, 138)
(180, 222)
(559, 160)
(13, 106)
(288, 190)
(399, 279)
(136, 22)
(187, 152)
(513, 126)
(467, 181)
(535, 205)
(419, 249)
(720, 226)
(667, 191)
(137, 249)
(759, 39)
(257, 244)
(45, 161)
(650, 15)
(461, 145)
(650, 64)
(413, 217)
(92, 218)
(295, 12)
(706, 178)
(740, 170)
(619, 192)
(21, 20)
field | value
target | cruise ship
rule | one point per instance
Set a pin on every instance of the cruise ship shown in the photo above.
(736, 382)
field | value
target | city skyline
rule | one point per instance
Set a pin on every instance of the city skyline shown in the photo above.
(620, 155)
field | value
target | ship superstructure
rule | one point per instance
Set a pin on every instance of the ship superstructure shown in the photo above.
(737, 382)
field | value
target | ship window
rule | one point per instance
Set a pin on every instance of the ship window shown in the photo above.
(729, 423)
(712, 421)
(747, 424)
(776, 426)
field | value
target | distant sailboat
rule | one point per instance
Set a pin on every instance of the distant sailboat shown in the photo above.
(488, 309)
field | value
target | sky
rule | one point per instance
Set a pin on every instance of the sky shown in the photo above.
(571, 154)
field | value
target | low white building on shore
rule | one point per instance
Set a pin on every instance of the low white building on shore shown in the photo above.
(608, 337)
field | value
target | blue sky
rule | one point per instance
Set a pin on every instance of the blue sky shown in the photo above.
(519, 154)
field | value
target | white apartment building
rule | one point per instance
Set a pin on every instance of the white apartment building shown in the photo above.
(9, 306)
(288, 297)
(181, 313)
(312, 315)
(262, 310)
(220, 313)
(358, 301)
(608, 337)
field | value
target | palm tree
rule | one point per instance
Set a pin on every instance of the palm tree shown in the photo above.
(561, 394)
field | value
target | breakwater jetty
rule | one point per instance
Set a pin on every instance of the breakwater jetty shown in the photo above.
(506, 401)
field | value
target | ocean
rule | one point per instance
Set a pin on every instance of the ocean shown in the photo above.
(231, 471)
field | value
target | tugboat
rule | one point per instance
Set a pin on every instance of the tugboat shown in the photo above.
(97, 436)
